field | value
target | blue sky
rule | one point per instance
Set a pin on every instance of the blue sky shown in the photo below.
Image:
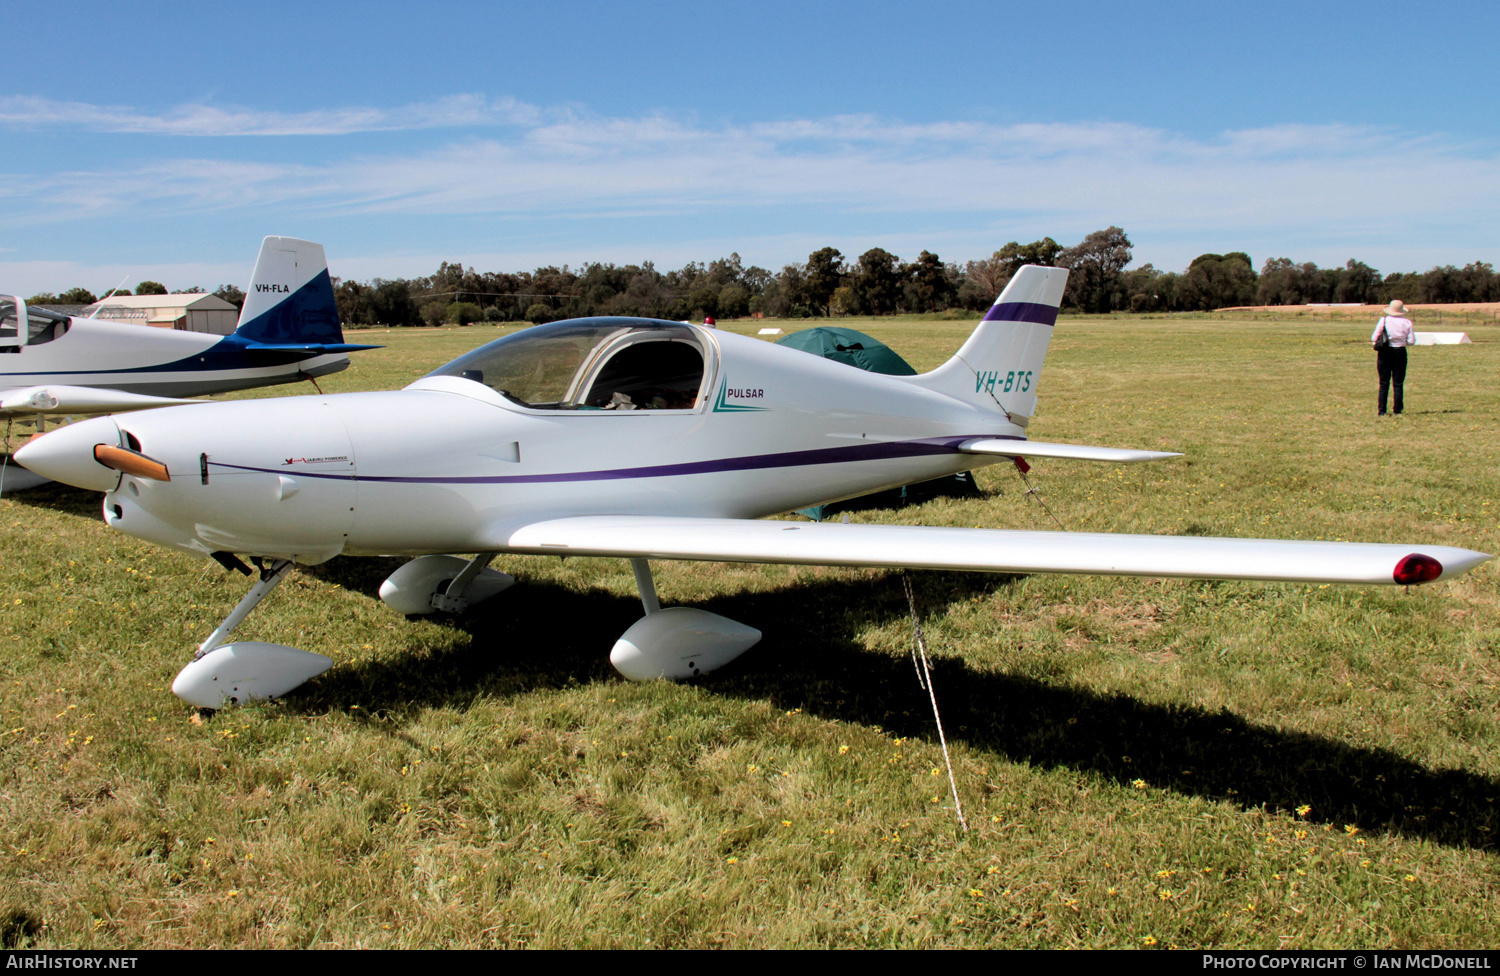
(163, 140)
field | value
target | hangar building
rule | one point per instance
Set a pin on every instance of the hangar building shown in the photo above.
(188, 313)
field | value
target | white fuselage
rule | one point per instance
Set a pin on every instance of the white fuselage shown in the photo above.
(447, 464)
(152, 361)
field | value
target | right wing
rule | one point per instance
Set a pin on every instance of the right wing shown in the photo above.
(991, 550)
(57, 398)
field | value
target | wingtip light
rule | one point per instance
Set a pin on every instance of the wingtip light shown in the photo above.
(1417, 568)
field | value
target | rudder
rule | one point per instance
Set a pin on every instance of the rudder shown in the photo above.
(290, 300)
(1000, 364)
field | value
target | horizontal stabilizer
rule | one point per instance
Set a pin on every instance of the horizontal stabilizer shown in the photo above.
(78, 399)
(315, 349)
(990, 550)
(1076, 452)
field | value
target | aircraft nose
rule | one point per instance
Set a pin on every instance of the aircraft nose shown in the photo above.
(67, 454)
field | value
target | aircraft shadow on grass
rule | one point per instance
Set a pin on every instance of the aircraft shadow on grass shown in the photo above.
(53, 496)
(810, 659)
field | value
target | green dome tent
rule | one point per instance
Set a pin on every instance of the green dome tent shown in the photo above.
(851, 348)
(866, 352)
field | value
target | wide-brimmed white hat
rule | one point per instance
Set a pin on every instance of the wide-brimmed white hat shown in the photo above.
(1396, 307)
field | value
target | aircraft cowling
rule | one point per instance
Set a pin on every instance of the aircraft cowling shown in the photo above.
(273, 478)
(67, 454)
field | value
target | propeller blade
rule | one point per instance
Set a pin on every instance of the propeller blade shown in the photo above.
(131, 462)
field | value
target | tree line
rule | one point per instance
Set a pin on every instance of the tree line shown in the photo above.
(878, 282)
(82, 296)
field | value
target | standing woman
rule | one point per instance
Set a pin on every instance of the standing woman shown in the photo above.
(1393, 333)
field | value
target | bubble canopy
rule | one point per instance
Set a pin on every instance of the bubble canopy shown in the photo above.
(591, 364)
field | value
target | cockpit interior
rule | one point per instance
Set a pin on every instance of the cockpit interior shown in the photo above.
(592, 364)
(41, 325)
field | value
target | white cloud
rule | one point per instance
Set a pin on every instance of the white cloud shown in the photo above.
(1262, 177)
(1305, 191)
(197, 119)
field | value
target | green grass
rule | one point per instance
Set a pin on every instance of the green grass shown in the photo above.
(1143, 762)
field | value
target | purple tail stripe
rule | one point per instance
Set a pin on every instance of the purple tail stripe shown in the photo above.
(1023, 312)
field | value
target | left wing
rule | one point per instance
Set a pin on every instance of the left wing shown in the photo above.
(55, 398)
(991, 550)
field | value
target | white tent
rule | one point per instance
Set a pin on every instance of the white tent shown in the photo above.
(1442, 338)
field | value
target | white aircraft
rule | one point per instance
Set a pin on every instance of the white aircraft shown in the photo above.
(288, 331)
(630, 438)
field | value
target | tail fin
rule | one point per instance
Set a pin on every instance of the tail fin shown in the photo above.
(999, 366)
(290, 300)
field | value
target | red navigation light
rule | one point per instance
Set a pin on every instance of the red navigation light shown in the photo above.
(1417, 568)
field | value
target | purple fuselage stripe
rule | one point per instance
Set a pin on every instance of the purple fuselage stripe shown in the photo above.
(791, 459)
(1023, 312)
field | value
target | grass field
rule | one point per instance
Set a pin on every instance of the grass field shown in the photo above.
(1144, 763)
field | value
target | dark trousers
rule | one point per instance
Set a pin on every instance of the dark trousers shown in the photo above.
(1390, 362)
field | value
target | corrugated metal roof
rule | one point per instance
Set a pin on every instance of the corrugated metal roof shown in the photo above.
(197, 302)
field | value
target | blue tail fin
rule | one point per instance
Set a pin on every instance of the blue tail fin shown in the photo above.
(290, 301)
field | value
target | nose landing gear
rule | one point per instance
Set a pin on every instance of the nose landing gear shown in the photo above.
(227, 674)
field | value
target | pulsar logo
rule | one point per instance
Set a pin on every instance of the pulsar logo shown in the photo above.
(308, 460)
(727, 393)
(283, 289)
(990, 381)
